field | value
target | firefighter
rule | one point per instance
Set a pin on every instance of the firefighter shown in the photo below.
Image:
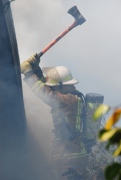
(56, 87)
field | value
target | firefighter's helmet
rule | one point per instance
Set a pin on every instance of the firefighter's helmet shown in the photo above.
(58, 75)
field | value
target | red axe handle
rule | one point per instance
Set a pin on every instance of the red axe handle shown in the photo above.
(79, 19)
(58, 38)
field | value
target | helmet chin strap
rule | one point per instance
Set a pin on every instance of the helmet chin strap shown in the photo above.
(63, 89)
(60, 86)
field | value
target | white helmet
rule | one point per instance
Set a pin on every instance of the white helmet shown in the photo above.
(58, 75)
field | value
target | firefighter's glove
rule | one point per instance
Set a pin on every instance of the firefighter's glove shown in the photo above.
(26, 68)
(29, 66)
(34, 60)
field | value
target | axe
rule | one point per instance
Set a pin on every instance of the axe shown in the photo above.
(79, 19)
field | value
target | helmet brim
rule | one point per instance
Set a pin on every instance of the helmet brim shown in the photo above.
(71, 82)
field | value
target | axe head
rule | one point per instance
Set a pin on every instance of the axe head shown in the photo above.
(77, 15)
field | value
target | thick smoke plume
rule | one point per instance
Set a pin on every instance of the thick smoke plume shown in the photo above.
(90, 51)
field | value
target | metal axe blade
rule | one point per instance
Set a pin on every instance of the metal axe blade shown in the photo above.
(77, 15)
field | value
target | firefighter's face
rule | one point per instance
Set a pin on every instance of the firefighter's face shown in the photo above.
(57, 88)
(64, 88)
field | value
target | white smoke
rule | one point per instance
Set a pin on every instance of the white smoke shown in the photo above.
(91, 51)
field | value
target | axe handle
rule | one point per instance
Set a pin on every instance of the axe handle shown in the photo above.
(74, 24)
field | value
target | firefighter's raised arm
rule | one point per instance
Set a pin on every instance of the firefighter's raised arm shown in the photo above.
(30, 68)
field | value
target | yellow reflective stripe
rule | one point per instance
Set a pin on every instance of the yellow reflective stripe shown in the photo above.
(53, 81)
(70, 155)
(78, 119)
(37, 86)
(67, 78)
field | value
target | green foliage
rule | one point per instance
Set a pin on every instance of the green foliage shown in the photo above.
(112, 136)
(105, 135)
(102, 109)
(113, 171)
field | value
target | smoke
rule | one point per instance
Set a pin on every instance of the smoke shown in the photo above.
(91, 51)
(40, 137)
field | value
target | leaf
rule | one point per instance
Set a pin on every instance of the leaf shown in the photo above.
(113, 119)
(112, 171)
(119, 177)
(105, 135)
(116, 138)
(118, 150)
(102, 109)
